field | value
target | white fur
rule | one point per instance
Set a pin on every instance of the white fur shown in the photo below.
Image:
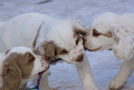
(22, 29)
(61, 32)
(122, 29)
(124, 48)
(39, 64)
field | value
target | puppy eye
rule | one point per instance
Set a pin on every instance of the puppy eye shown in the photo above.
(64, 51)
(96, 33)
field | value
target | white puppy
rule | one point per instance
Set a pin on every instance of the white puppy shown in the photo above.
(113, 31)
(50, 37)
(18, 66)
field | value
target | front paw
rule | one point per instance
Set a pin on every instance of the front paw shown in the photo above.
(117, 84)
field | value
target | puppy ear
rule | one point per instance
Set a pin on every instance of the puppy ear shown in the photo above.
(122, 43)
(49, 49)
(80, 29)
(29, 57)
(11, 77)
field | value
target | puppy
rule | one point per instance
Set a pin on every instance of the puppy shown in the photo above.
(18, 66)
(51, 37)
(113, 31)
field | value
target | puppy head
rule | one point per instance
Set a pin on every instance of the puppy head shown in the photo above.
(100, 36)
(123, 42)
(21, 63)
(65, 41)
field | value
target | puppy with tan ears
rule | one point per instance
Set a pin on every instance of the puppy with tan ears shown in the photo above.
(113, 31)
(18, 66)
(51, 37)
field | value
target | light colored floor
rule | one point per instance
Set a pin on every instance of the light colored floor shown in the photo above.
(103, 63)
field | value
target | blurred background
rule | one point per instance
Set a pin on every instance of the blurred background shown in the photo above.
(103, 63)
(85, 10)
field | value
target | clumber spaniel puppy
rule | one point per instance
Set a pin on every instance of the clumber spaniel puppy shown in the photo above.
(19, 65)
(51, 37)
(113, 31)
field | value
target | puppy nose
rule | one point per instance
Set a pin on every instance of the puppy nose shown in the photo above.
(80, 58)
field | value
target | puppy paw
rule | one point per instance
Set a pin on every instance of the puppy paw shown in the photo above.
(117, 84)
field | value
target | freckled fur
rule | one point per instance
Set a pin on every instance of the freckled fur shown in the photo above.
(17, 66)
(59, 31)
(118, 31)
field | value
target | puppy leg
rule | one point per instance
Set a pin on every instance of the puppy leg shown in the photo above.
(121, 78)
(44, 82)
(86, 75)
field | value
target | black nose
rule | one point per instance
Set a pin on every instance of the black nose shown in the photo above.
(80, 58)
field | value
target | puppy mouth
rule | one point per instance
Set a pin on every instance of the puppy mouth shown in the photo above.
(97, 49)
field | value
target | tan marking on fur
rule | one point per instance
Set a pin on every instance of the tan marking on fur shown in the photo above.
(116, 39)
(82, 32)
(76, 35)
(36, 51)
(109, 35)
(34, 42)
(61, 51)
(15, 67)
(96, 34)
(49, 49)
(77, 38)
(46, 49)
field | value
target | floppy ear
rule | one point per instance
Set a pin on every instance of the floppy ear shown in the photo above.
(49, 49)
(80, 29)
(29, 57)
(11, 77)
(122, 43)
